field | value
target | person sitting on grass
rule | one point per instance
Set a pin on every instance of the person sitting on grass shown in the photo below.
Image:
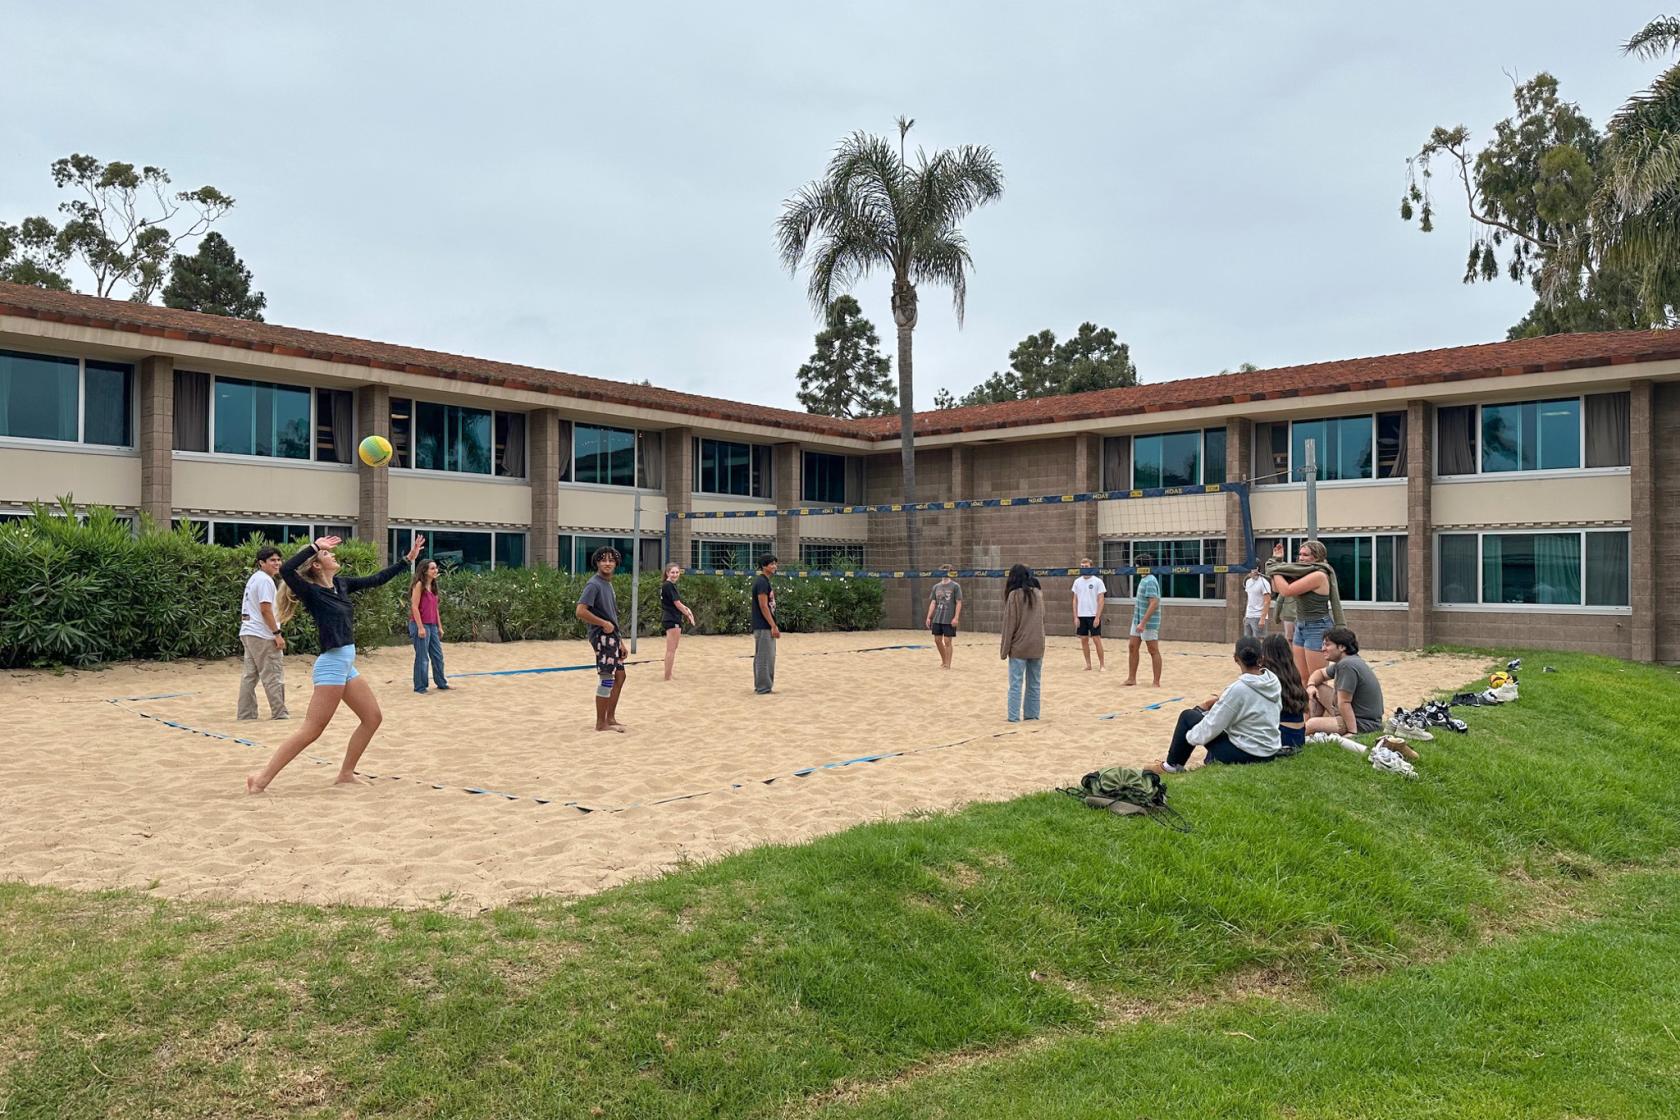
(1239, 725)
(1344, 697)
(1292, 714)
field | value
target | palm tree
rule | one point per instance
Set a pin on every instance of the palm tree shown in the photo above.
(875, 209)
(1635, 211)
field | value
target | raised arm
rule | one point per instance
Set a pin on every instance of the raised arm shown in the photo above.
(289, 570)
(362, 583)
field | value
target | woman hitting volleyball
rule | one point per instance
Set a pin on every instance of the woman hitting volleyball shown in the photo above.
(312, 578)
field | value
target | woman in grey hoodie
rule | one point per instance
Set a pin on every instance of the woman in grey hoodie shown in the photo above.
(1238, 725)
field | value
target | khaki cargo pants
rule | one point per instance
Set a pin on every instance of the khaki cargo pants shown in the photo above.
(266, 663)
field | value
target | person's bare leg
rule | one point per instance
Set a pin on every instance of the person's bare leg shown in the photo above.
(672, 637)
(1300, 653)
(1315, 662)
(612, 703)
(1155, 661)
(1101, 663)
(1132, 646)
(361, 700)
(1085, 648)
(1322, 700)
(323, 702)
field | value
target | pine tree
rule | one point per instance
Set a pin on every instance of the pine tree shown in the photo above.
(215, 281)
(847, 375)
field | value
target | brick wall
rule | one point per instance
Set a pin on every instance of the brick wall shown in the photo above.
(1584, 633)
(373, 518)
(1665, 523)
(156, 439)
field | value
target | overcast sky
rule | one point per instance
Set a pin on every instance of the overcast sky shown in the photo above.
(594, 188)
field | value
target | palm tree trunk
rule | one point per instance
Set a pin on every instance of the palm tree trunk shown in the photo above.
(904, 315)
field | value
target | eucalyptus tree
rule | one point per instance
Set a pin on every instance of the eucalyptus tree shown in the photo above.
(876, 209)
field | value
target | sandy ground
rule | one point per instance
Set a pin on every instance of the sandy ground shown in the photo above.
(97, 790)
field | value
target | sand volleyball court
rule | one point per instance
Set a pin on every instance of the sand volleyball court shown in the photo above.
(107, 781)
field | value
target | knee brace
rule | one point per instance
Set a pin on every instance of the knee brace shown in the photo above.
(604, 689)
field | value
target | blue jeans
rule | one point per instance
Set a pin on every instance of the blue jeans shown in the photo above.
(429, 647)
(1031, 669)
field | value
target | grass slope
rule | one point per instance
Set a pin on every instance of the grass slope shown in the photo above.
(770, 981)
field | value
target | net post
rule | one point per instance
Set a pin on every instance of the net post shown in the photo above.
(1312, 489)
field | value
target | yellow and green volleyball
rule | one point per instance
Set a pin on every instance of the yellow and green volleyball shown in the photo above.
(375, 451)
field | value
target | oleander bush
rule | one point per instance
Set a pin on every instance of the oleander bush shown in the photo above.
(83, 591)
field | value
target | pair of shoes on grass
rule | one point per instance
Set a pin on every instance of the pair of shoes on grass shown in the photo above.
(1387, 761)
(1408, 725)
(1342, 741)
(1398, 745)
(1439, 715)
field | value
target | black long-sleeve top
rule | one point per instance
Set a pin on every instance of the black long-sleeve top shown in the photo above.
(330, 606)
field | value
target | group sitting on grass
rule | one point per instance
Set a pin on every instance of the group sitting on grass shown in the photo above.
(1267, 710)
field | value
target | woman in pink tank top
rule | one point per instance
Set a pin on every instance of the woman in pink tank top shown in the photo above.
(424, 628)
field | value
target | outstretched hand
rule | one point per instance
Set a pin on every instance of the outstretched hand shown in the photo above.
(323, 544)
(414, 549)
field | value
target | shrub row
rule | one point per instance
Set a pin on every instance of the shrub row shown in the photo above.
(80, 593)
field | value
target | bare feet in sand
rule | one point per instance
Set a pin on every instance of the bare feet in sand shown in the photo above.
(351, 780)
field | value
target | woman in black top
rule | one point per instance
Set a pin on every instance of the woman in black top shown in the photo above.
(670, 604)
(311, 578)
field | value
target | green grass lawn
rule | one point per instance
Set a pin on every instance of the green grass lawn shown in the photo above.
(1033, 954)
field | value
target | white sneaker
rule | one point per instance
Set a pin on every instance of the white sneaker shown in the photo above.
(1383, 759)
(1407, 729)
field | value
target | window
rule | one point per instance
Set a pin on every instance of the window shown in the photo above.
(732, 555)
(1370, 568)
(576, 550)
(740, 469)
(66, 399)
(1167, 554)
(1213, 456)
(335, 426)
(1348, 448)
(235, 534)
(1562, 434)
(1534, 436)
(1173, 459)
(1569, 567)
(257, 418)
(1345, 448)
(476, 550)
(824, 479)
(442, 437)
(831, 557)
(1117, 463)
(510, 445)
(603, 456)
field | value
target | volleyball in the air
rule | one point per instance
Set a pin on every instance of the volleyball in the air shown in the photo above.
(375, 451)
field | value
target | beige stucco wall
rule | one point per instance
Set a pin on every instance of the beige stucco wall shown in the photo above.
(1379, 505)
(40, 475)
(1563, 500)
(429, 499)
(263, 487)
(613, 510)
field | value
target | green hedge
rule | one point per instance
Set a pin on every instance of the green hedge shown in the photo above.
(80, 593)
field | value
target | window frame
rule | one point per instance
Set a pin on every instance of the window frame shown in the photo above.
(132, 447)
(1481, 475)
(767, 473)
(431, 529)
(754, 547)
(862, 548)
(435, 472)
(1482, 607)
(1213, 592)
(844, 462)
(1289, 478)
(1292, 543)
(1201, 456)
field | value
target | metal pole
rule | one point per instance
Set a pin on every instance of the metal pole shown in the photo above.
(636, 550)
(1312, 489)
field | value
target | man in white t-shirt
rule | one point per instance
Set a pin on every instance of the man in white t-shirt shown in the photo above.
(259, 633)
(1259, 592)
(1090, 593)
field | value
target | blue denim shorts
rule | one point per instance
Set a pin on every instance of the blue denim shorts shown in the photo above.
(1310, 634)
(335, 666)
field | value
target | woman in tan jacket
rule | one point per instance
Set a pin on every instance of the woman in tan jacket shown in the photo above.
(1023, 640)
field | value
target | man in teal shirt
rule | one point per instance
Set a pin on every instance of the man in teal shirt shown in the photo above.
(1146, 622)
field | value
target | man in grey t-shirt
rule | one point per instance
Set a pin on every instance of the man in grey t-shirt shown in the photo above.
(598, 606)
(1344, 696)
(943, 613)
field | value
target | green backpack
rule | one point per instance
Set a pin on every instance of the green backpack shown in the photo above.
(1123, 790)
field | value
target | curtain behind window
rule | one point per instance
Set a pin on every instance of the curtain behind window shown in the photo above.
(1117, 466)
(1557, 568)
(513, 446)
(1607, 569)
(1607, 430)
(1391, 445)
(343, 421)
(650, 470)
(192, 411)
(565, 451)
(1456, 426)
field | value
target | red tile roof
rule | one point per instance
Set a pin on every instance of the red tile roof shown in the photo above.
(1427, 367)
